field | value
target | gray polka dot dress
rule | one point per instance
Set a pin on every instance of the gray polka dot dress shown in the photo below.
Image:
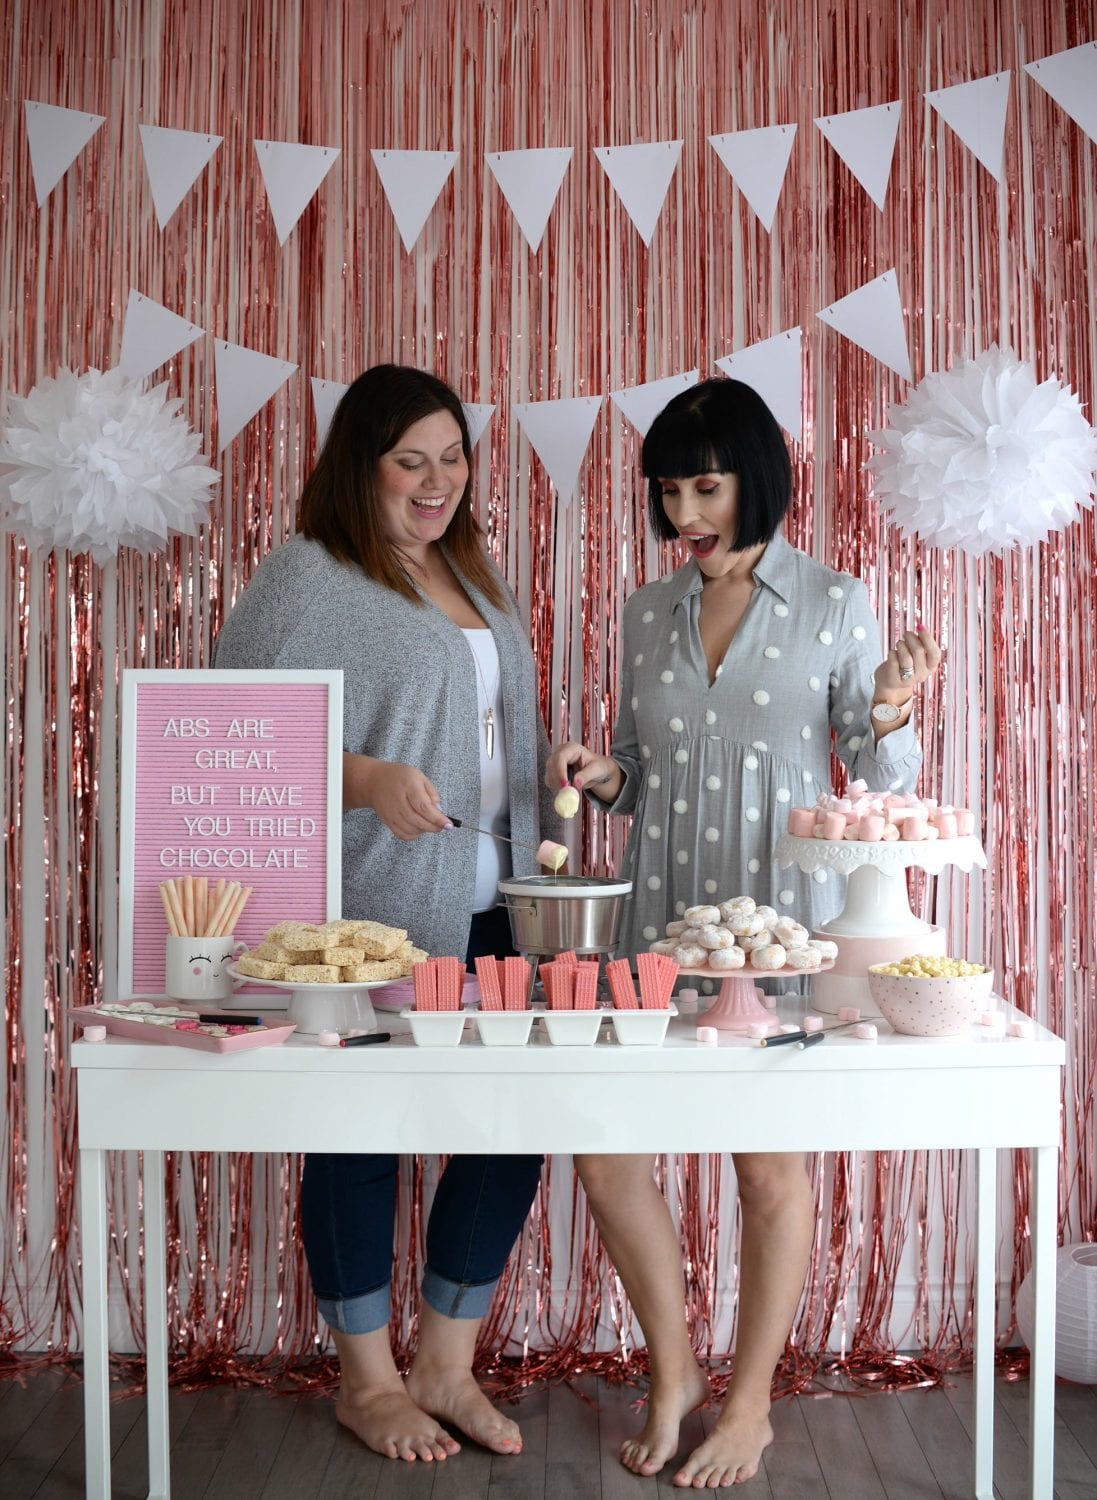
(712, 770)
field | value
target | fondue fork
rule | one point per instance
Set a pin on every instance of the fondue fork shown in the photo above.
(804, 1038)
(503, 839)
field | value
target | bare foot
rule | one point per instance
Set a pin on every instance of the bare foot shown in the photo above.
(730, 1454)
(388, 1421)
(668, 1403)
(453, 1396)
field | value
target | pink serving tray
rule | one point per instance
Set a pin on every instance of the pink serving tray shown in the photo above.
(141, 1031)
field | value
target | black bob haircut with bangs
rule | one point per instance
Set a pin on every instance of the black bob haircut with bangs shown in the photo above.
(721, 427)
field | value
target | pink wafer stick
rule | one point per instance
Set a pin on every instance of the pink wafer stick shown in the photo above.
(491, 992)
(621, 987)
(515, 984)
(586, 986)
(669, 971)
(450, 973)
(653, 971)
(567, 959)
(565, 987)
(424, 979)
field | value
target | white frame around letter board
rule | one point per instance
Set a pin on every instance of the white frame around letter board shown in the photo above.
(132, 681)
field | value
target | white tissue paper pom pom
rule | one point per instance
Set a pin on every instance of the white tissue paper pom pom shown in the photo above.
(984, 458)
(97, 461)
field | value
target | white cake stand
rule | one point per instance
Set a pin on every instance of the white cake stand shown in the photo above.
(877, 911)
(324, 1007)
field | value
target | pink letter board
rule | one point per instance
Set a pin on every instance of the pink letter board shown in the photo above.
(234, 775)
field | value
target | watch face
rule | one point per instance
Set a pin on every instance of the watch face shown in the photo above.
(886, 713)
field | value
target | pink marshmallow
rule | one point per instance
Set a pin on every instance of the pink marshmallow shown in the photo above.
(914, 826)
(834, 825)
(853, 831)
(945, 824)
(813, 1023)
(801, 822)
(849, 1013)
(788, 1027)
(865, 1032)
(965, 822)
(758, 1029)
(872, 828)
(858, 788)
(1022, 1029)
(890, 833)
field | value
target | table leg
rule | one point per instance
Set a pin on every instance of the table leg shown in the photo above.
(156, 1326)
(93, 1243)
(1045, 1179)
(986, 1317)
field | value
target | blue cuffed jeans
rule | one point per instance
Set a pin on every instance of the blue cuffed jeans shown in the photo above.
(348, 1206)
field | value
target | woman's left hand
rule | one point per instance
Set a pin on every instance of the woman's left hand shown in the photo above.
(911, 661)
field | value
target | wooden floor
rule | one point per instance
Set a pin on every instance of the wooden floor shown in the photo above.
(233, 1444)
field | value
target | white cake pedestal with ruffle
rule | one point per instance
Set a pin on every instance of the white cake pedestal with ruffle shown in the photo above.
(876, 925)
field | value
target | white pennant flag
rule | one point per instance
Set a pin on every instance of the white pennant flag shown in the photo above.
(641, 404)
(151, 334)
(865, 140)
(477, 418)
(174, 160)
(412, 181)
(1070, 78)
(641, 176)
(559, 432)
(872, 318)
(977, 113)
(56, 138)
(529, 181)
(773, 367)
(245, 382)
(292, 173)
(326, 396)
(757, 161)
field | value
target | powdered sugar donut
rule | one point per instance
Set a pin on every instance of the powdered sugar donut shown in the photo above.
(702, 916)
(803, 958)
(825, 947)
(752, 940)
(675, 929)
(772, 956)
(689, 955)
(736, 906)
(727, 958)
(769, 915)
(745, 923)
(791, 934)
(669, 946)
(715, 937)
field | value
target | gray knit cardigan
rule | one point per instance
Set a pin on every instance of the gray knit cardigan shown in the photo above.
(409, 694)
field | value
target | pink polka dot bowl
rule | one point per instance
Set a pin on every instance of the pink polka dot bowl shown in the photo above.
(931, 1007)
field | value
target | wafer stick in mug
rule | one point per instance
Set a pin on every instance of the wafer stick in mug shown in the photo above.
(232, 916)
(201, 889)
(171, 895)
(227, 896)
(188, 904)
(173, 925)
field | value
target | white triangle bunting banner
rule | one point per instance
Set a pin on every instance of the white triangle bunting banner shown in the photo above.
(174, 161)
(1070, 78)
(151, 335)
(292, 174)
(865, 140)
(412, 181)
(246, 381)
(872, 318)
(773, 367)
(326, 396)
(976, 111)
(640, 176)
(757, 161)
(477, 418)
(641, 404)
(56, 138)
(530, 182)
(559, 433)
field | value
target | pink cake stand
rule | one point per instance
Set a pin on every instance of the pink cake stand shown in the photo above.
(739, 1005)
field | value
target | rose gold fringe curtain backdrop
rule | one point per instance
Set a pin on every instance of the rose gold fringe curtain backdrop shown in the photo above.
(1009, 728)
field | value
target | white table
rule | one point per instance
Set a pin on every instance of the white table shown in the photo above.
(979, 1092)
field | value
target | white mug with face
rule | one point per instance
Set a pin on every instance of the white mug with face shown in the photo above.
(196, 968)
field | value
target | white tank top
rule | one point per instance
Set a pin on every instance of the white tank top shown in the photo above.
(492, 857)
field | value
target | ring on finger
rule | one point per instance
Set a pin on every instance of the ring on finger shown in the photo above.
(907, 673)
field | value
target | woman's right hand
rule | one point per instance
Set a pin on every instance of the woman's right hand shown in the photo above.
(585, 770)
(405, 800)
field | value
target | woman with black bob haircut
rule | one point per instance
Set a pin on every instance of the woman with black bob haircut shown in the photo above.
(740, 672)
(721, 427)
(388, 581)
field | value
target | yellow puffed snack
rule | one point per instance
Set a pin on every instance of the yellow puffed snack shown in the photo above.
(386, 968)
(312, 974)
(340, 957)
(259, 968)
(375, 939)
(930, 966)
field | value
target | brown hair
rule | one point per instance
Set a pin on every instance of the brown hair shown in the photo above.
(339, 500)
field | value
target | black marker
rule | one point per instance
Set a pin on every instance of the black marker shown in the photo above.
(367, 1040)
(230, 1020)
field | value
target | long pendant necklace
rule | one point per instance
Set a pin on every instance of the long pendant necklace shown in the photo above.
(489, 712)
